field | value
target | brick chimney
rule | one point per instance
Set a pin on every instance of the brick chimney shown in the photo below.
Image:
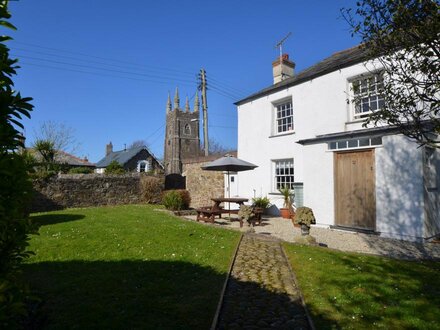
(108, 149)
(283, 68)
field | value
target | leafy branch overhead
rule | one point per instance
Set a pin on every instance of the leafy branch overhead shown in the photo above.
(13, 107)
(402, 39)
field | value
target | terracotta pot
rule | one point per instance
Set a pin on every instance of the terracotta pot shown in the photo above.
(292, 216)
(285, 213)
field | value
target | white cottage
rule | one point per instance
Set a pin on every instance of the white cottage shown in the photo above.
(304, 132)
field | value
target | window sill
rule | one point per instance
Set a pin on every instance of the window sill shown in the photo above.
(282, 134)
(355, 121)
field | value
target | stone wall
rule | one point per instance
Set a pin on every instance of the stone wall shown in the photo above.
(202, 185)
(82, 190)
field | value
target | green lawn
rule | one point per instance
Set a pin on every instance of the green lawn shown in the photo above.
(353, 291)
(127, 267)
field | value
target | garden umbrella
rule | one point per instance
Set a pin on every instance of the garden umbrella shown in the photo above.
(229, 164)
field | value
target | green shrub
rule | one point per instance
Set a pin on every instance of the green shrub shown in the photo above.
(114, 168)
(15, 188)
(80, 170)
(186, 198)
(172, 200)
(304, 216)
(151, 188)
(262, 202)
(176, 200)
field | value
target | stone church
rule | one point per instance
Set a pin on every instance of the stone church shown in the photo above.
(182, 134)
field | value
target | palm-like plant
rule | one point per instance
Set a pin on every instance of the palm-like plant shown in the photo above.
(287, 196)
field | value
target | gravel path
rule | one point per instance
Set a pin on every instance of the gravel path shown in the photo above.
(261, 293)
(342, 240)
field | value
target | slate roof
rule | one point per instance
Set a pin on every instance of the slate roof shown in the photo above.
(123, 156)
(351, 134)
(63, 157)
(335, 62)
(66, 158)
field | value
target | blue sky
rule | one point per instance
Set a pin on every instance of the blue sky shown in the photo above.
(104, 68)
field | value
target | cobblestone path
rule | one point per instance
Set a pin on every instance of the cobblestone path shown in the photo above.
(261, 293)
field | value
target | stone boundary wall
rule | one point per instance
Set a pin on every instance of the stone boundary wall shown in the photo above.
(83, 190)
(202, 185)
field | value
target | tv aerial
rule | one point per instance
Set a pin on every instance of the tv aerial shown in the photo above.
(280, 43)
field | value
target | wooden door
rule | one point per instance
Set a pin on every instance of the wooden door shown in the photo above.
(355, 197)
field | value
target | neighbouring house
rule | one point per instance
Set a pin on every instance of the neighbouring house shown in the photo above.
(63, 158)
(305, 132)
(137, 159)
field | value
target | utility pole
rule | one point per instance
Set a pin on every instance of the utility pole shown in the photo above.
(203, 87)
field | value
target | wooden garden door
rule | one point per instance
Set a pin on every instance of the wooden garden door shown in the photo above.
(355, 197)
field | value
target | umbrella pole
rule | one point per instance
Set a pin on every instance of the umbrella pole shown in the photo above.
(229, 196)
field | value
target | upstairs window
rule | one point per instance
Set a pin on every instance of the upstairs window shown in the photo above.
(367, 95)
(283, 117)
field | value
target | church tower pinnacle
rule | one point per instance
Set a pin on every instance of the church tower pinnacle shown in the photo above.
(187, 105)
(176, 99)
(169, 103)
(196, 102)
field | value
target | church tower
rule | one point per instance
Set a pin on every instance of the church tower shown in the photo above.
(182, 137)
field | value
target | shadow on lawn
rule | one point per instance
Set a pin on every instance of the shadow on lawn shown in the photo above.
(379, 292)
(131, 294)
(50, 219)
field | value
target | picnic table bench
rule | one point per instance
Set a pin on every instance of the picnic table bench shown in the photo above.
(208, 213)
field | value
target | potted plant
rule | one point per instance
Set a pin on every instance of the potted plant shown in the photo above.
(288, 194)
(305, 217)
(260, 204)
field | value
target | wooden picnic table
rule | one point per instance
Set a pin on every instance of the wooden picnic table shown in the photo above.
(208, 213)
(237, 200)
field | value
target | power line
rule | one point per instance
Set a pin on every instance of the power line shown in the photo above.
(157, 130)
(230, 86)
(232, 95)
(98, 68)
(97, 57)
(130, 66)
(100, 74)
(225, 94)
(222, 86)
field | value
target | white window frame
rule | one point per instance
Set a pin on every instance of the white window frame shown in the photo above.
(368, 97)
(278, 109)
(289, 178)
(146, 168)
(358, 143)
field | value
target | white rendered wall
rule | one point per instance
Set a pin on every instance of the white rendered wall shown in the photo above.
(256, 144)
(319, 183)
(319, 107)
(399, 188)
